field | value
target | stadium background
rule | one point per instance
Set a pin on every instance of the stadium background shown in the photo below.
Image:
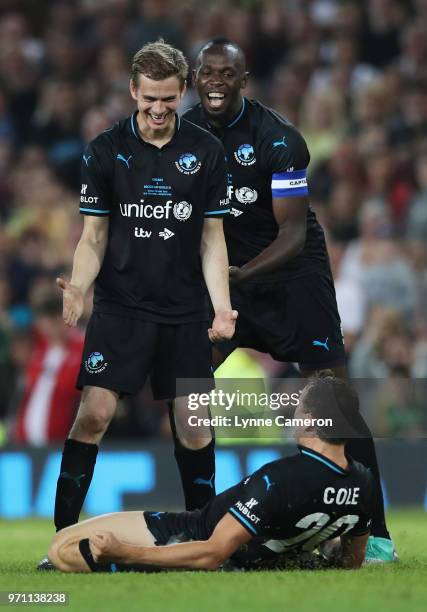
(352, 76)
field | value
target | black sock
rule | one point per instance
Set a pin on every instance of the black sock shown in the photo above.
(197, 470)
(77, 465)
(362, 449)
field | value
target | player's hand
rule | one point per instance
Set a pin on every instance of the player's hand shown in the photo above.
(104, 546)
(72, 302)
(223, 326)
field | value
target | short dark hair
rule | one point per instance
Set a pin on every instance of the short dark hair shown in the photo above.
(158, 61)
(222, 41)
(326, 396)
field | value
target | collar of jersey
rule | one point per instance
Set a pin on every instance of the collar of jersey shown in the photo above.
(309, 452)
(236, 118)
(135, 131)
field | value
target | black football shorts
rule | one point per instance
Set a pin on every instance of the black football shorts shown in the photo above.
(295, 321)
(171, 527)
(120, 353)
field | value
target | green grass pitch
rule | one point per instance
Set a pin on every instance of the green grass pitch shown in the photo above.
(401, 586)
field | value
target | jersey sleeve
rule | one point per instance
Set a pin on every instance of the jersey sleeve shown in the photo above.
(258, 504)
(217, 204)
(96, 173)
(286, 160)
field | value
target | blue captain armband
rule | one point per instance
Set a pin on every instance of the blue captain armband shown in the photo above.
(288, 184)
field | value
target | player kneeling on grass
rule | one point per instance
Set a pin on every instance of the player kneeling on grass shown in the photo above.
(289, 506)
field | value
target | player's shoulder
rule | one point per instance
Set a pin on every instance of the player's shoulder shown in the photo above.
(199, 134)
(271, 125)
(194, 114)
(274, 471)
(106, 140)
(362, 473)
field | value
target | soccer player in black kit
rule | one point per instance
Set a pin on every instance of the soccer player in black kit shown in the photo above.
(153, 196)
(289, 506)
(280, 277)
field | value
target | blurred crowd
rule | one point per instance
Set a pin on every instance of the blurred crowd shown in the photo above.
(352, 75)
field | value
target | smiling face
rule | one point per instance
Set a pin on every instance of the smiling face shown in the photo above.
(157, 102)
(219, 78)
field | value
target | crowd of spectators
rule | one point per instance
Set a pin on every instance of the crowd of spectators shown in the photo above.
(352, 75)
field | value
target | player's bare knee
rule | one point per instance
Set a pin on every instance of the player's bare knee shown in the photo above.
(64, 555)
(55, 552)
(93, 423)
(194, 443)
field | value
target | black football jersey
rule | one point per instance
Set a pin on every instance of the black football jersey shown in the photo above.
(266, 157)
(295, 504)
(157, 200)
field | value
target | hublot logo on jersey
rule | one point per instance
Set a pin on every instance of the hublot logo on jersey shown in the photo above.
(188, 163)
(246, 512)
(245, 155)
(84, 199)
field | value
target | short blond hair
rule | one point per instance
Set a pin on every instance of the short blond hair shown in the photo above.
(159, 61)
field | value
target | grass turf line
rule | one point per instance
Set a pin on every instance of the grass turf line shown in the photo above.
(394, 588)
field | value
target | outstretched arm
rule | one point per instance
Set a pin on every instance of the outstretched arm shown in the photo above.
(227, 537)
(291, 217)
(87, 262)
(213, 252)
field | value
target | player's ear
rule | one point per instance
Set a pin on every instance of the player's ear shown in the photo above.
(310, 430)
(184, 88)
(244, 80)
(193, 77)
(133, 89)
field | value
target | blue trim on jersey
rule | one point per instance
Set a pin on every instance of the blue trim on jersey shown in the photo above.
(239, 115)
(292, 191)
(133, 124)
(286, 176)
(328, 463)
(92, 210)
(218, 212)
(234, 511)
(178, 123)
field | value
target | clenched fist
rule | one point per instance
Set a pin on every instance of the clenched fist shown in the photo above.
(105, 547)
(223, 326)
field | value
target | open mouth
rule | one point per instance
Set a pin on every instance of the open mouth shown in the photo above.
(216, 99)
(158, 119)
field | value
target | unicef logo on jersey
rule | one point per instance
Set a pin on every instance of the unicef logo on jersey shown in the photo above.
(182, 211)
(245, 155)
(188, 163)
(246, 195)
(95, 363)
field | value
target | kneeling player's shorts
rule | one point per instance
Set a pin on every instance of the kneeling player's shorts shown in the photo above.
(120, 353)
(173, 527)
(296, 321)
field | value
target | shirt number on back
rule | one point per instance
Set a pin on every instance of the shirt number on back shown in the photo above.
(316, 530)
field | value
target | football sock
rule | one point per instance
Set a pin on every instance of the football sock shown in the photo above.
(77, 465)
(196, 468)
(362, 449)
